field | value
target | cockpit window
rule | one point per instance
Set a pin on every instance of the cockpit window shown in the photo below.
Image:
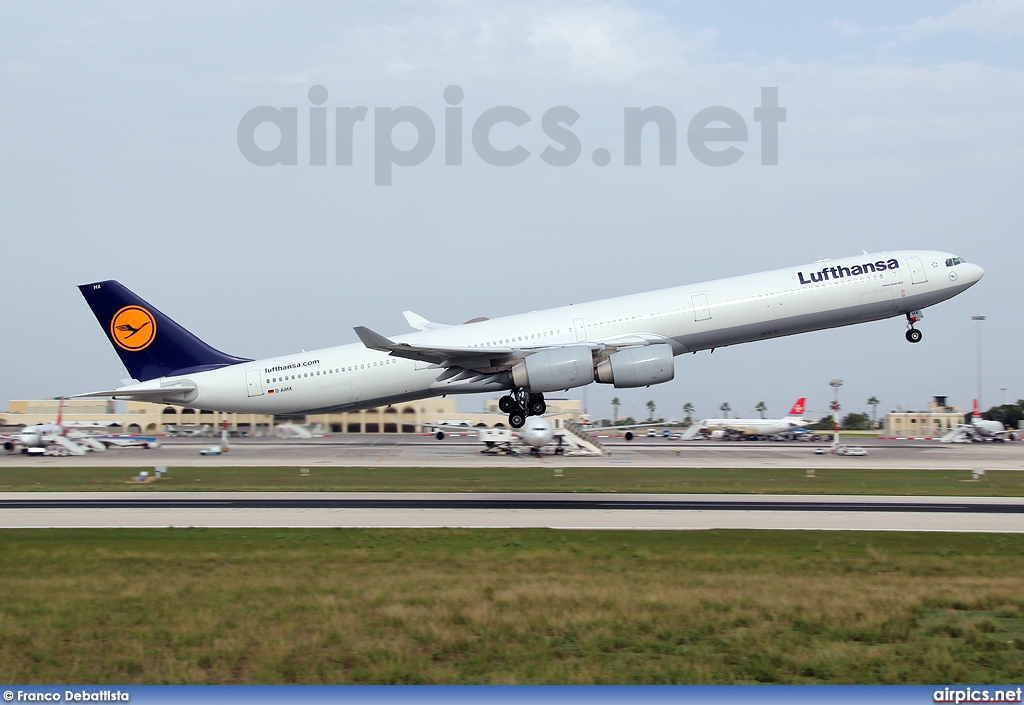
(953, 261)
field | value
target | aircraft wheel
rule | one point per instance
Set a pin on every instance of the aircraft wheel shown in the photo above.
(516, 419)
(914, 335)
(537, 406)
(507, 404)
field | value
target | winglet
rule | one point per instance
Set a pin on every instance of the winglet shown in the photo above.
(374, 341)
(420, 323)
(416, 321)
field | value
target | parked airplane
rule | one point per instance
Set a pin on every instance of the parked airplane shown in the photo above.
(742, 428)
(52, 437)
(629, 341)
(35, 436)
(979, 429)
(536, 434)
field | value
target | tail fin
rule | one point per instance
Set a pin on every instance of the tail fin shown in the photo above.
(149, 343)
(975, 411)
(798, 408)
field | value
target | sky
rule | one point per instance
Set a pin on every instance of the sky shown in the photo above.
(121, 133)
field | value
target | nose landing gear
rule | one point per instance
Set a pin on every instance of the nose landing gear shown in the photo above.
(913, 334)
(519, 404)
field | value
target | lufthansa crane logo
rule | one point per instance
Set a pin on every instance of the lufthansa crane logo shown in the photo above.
(133, 328)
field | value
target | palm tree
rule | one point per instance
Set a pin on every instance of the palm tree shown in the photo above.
(873, 403)
(688, 410)
(651, 406)
(725, 408)
(615, 409)
(761, 408)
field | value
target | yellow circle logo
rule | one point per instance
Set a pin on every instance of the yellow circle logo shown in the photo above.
(133, 328)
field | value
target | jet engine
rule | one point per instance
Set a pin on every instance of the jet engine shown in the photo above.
(638, 367)
(558, 368)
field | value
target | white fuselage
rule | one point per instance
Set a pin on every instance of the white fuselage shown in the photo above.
(757, 427)
(537, 432)
(40, 435)
(988, 429)
(688, 318)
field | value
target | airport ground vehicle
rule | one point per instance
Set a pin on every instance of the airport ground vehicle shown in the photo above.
(842, 449)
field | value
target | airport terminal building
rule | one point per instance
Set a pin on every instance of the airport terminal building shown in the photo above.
(939, 419)
(150, 418)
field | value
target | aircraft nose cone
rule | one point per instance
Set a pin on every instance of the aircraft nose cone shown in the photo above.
(976, 272)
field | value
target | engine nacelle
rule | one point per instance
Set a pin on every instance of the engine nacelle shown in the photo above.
(559, 368)
(9, 445)
(638, 367)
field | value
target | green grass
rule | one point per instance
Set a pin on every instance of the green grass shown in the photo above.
(509, 606)
(522, 479)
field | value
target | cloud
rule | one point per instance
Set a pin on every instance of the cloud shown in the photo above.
(612, 44)
(995, 20)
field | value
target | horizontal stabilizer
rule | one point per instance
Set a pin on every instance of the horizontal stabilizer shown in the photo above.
(141, 391)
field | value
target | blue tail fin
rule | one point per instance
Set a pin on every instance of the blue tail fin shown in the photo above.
(150, 344)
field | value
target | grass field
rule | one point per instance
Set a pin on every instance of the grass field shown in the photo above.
(509, 606)
(521, 479)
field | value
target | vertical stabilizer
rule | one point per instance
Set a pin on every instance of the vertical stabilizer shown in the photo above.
(149, 343)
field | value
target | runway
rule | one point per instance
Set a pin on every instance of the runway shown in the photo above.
(564, 511)
(541, 510)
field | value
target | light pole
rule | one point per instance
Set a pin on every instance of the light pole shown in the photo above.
(979, 319)
(836, 384)
(1002, 396)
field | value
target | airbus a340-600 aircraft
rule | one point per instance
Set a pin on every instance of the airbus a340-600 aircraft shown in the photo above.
(629, 341)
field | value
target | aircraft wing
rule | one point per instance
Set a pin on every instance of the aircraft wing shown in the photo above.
(498, 357)
(438, 355)
(745, 430)
(624, 427)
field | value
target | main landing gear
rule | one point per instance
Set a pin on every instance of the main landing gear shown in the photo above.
(913, 334)
(519, 404)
